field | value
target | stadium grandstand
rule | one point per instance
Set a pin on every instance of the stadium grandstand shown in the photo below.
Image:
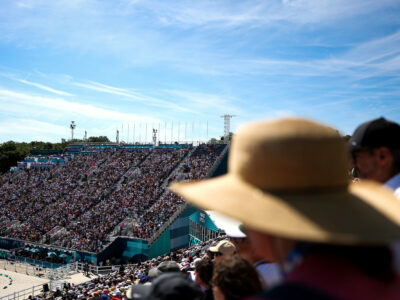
(101, 201)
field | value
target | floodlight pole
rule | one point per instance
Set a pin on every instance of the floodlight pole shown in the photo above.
(154, 137)
(227, 125)
(72, 126)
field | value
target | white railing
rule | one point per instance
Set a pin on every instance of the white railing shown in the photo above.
(38, 270)
(25, 293)
(35, 290)
(56, 277)
(99, 270)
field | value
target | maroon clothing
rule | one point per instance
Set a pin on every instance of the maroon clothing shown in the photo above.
(336, 278)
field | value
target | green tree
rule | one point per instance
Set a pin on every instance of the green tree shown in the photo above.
(9, 156)
(98, 139)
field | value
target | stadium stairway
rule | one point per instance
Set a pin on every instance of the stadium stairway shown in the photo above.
(11, 227)
(95, 168)
(176, 172)
(128, 175)
(186, 206)
(16, 175)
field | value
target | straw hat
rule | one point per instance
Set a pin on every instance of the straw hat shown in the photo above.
(288, 177)
(225, 247)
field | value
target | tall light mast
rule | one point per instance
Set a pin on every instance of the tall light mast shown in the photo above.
(227, 125)
(154, 137)
(72, 126)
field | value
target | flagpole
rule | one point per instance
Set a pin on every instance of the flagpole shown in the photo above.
(172, 130)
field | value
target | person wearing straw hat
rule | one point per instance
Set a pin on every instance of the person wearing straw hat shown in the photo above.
(224, 248)
(287, 183)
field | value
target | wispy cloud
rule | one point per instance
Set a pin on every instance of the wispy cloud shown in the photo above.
(12, 101)
(37, 85)
(45, 88)
(199, 101)
(228, 14)
(95, 86)
(134, 95)
(379, 57)
(100, 28)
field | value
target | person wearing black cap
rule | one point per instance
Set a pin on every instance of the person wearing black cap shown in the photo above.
(375, 149)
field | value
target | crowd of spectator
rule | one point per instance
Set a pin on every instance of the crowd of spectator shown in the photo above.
(201, 161)
(199, 272)
(79, 204)
(118, 283)
(89, 227)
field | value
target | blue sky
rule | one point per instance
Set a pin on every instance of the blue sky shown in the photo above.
(112, 64)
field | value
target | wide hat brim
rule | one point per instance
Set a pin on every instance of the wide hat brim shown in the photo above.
(362, 213)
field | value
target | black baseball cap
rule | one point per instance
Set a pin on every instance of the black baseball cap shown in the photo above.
(169, 286)
(376, 133)
(168, 266)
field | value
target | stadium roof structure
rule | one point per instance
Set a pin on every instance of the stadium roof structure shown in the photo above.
(229, 225)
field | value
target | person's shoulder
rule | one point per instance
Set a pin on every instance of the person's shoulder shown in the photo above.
(394, 184)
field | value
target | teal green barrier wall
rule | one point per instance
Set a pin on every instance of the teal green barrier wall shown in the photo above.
(162, 245)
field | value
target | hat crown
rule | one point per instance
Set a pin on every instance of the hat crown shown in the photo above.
(289, 154)
(225, 247)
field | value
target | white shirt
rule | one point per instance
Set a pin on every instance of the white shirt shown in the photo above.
(270, 273)
(394, 184)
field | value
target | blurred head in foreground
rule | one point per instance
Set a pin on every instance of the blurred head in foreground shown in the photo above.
(287, 183)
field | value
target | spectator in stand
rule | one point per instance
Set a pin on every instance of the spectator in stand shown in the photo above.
(234, 278)
(138, 274)
(223, 249)
(203, 277)
(375, 150)
(300, 206)
(169, 286)
(268, 271)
